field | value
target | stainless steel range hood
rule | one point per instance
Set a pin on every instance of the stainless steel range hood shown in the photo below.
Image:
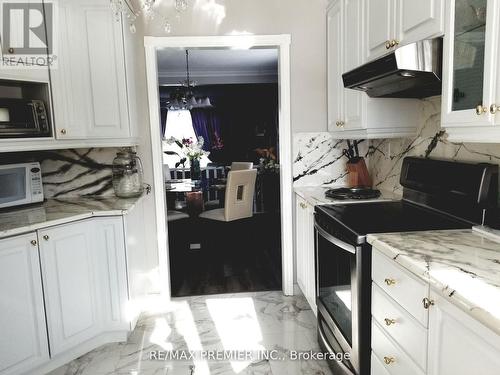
(411, 71)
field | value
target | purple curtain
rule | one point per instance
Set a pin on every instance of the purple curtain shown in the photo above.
(206, 124)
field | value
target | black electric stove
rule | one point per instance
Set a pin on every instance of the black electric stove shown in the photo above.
(437, 195)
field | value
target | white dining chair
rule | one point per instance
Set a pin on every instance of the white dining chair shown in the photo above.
(241, 165)
(238, 202)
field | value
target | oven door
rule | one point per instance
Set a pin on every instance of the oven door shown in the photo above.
(18, 118)
(15, 186)
(337, 293)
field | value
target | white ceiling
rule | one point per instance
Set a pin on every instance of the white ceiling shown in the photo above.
(218, 66)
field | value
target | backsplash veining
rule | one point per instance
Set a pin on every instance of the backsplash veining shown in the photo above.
(386, 155)
(71, 173)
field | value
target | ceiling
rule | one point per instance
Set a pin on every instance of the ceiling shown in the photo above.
(218, 66)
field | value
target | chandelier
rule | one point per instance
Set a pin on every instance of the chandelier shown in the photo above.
(124, 8)
(184, 98)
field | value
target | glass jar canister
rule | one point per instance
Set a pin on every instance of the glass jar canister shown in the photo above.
(127, 174)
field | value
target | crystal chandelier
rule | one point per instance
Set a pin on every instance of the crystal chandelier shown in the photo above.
(124, 8)
(184, 98)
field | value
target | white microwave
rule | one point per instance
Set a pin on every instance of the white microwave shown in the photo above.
(20, 184)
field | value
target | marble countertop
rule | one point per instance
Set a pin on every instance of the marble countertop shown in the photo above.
(315, 195)
(59, 211)
(461, 265)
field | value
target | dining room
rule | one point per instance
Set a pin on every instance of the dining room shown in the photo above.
(219, 126)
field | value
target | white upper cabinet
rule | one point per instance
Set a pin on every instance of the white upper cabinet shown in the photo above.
(23, 338)
(471, 86)
(89, 83)
(380, 26)
(335, 70)
(352, 114)
(418, 20)
(10, 45)
(392, 23)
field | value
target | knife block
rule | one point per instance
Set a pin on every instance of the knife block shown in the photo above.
(358, 173)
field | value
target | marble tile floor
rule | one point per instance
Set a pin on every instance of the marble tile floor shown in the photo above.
(242, 322)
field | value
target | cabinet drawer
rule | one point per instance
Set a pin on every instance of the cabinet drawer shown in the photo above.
(377, 367)
(400, 325)
(400, 285)
(386, 349)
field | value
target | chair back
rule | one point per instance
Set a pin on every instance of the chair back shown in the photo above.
(241, 165)
(240, 191)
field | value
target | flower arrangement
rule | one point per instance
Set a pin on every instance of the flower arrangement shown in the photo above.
(190, 149)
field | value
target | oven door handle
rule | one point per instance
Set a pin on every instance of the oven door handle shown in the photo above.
(327, 236)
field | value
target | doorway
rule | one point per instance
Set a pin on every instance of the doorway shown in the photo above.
(239, 44)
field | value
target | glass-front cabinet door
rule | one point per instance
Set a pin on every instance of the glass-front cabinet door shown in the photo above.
(469, 63)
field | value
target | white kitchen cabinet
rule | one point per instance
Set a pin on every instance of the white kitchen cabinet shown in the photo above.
(306, 267)
(352, 114)
(393, 23)
(23, 336)
(9, 48)
(89, 83)
(471, 84)
(109, 243)
(458, 344)
(69, 270)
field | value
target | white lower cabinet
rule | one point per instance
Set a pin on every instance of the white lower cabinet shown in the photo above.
(306, 267)
(69, 268)
(63, 291)
(458, 344)
(452, 343)
(23, 336)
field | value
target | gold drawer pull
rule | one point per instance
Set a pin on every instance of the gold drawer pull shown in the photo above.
(481, 110)
(303, 205)
(390, 282)
(389, 360)
(427, 303)
(389, 322)
(494, 108)
(387, 44)
(33, 242)
(394, 43)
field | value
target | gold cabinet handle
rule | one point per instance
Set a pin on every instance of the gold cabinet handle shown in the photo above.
(394, 43)
(341, 123)
(481, 110)
(63, 131)
(390, 282)
(389, 360)
(33, 242)
(303, 205)
(388, 44)
(46, 238)
(494, 108)
(389, 322)
(427, 303)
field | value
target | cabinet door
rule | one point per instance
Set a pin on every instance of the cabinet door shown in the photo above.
(69, 272)
(353, 58)
(418, 20)
(89, 84)
(380, 26)
(335, 68)
(10, 47)
(469, 64)
(23, 338)
(306, 270)
(112, 271)
(458, 344)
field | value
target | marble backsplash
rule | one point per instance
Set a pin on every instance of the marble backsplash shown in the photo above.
(386, 155)
(71, 173)
(318, 160)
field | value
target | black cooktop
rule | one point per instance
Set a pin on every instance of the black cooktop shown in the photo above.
(353, 222)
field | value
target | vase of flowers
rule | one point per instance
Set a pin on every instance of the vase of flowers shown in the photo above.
(191, 150)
